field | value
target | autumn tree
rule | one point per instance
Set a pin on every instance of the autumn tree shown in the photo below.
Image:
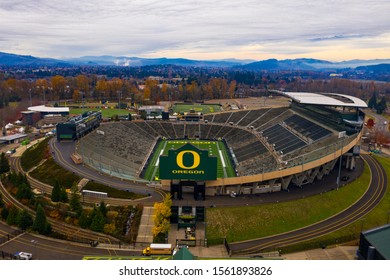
(82, 84)
(42, 86)
(151, 90)
(162, 211)
(58, 84)
(115, 86)
(102, 89)
(232, 89)
(164, 92)
(76, 95)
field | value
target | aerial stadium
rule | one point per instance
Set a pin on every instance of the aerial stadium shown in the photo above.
(236, 151)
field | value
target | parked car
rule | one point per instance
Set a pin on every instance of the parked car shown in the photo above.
(22, 256)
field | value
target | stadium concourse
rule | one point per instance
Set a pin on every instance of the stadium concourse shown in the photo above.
(269, 149)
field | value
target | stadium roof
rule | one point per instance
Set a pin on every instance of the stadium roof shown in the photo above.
(45, 109)
(380, 239)
(326, 99)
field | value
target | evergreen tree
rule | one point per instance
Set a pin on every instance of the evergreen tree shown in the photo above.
(40, 223)
(381, 106)
(74, 203)
(64, 195)
(372, 102)
(85, 220)
(103, 208)
(4, 164)
(24, 192)
(12, 218)
(25, 220)
(56, 192)
(1, 201)
(98, 222)
(4, 213)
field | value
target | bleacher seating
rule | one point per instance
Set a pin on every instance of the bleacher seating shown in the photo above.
(307, 128)
(267, 117)
(236, 116)
(192, 130)
(250, 150)
(222, 117)
(284, 130)
(167, 126)
(158, 128)
(179, 128)
(251, 116)
(239, 137)
(282, 139)
(147, 128)
(124, 141)
(209, 117)
(256, 165)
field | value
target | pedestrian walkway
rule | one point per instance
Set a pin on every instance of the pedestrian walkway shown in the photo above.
(218, 251)
(145, 234)
(333, 253)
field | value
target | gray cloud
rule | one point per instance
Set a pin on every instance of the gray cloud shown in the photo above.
(147, 27)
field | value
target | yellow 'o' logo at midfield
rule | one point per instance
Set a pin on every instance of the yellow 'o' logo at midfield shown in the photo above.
(195, 164)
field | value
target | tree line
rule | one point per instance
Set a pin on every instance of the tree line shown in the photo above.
(174, 83)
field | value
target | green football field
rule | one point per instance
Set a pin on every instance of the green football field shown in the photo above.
(216, 148)
(203, 108)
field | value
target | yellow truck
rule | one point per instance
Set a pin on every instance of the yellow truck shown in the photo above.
(158, 249)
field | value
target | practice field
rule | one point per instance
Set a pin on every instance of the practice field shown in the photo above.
(106, 113)
(202, 108)
(216, 148)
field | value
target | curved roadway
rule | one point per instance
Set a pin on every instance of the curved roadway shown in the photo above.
(363, 206)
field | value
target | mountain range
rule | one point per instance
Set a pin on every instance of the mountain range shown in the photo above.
(305, 64)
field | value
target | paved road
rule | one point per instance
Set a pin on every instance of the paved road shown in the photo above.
(368, 201)
(44, 248)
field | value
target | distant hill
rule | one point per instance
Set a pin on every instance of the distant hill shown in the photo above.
(137, 61)
(379, 68)
(304, 64)
(27, 60)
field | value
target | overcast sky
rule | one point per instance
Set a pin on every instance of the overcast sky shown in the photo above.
(199, 29)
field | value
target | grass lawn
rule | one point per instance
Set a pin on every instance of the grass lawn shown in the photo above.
(50, 172)
(34, 155)
(377, 217)
(152, 171)
(249, 222)
(106, 113)
(204, 108)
